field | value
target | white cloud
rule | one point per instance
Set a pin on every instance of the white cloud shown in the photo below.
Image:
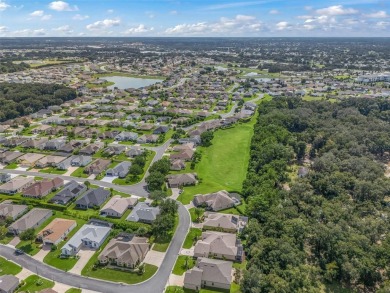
(273, 11)
(138, 30)
(29, 32)
(62, 6)
(150, 14)
(336, 10)
(110, 11)
(80, 17)
(378, 14)
(66, 29)
(383, 25)
(3, 29)
(38, 13)
(103, 24)
(283, 25)
(173, 12)
(3, 5)
(239, 25)
(46, 17)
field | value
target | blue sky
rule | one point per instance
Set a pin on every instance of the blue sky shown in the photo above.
(171, 18)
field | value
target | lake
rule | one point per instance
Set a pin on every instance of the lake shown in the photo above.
(124, 82)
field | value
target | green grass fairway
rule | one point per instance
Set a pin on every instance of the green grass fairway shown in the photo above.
(8, 268)
(224, 164)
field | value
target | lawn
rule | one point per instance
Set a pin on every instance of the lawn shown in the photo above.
(180, 265)
(194, 217)
(133, 180)
(11, 166)
(35, 283)
(73, 290)
(8, 268)
(162, 245)
(224, 164)
(79, 172)
(192, 234)
(238, 210)
(52, 170)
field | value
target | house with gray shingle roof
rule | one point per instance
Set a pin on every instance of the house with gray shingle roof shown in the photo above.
(144, 213)
(8, 283)
(207, 272)
(10, 210)
(32, 219)
(121, 170)
(93, 198)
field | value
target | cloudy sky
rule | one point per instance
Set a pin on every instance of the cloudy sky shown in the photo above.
(195, 18)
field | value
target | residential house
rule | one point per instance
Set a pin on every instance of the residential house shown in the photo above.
(32, 219)
(144, 213)
(161, 129)
(126, 136)
(80, 161)
(125, 251)
(89, 235)
(49, 161)
(147, 138)
(92, 148)
(185, 155)
(213, 273)
(12, 211)
(8, 157)
(5, 177)
(224, 222)
(8, 284)
(115, 149)
(93, 198)
(56, 231)
(37, 143)
(117, 206)
(121, 170)
(134, 151)
(177, 165)
(179, 180)
(16, 185)
(55, 144)
(42, 188)
(28, 160)
(65, 164)
(219, 245)
(71, 190)
(215, 201)
(97, 166)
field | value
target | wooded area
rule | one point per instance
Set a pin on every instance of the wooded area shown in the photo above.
(9, 67)
(22, 99)
(331, 226)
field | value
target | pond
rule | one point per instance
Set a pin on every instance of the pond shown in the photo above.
(124, 82)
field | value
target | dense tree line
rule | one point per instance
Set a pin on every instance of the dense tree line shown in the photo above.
(22, 99)
(331, 226)
(9, 67)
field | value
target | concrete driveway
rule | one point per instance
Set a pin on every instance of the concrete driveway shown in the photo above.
(15, 241)
(175, 280)
(175, 193)
(85, 255)
(109, 179)
(189, 252)
(154, 258)
(70, 171)
(42, 253)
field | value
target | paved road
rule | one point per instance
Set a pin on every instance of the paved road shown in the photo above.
(138, 189)
(156, 284)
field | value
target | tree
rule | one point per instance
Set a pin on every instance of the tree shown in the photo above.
(27, 235)
(136, 170)
(3, 232)
(206, 138)
(199, 212)
(87, 184)
(158, 195)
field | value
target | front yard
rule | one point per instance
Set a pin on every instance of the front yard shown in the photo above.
(191, 236)
(8, 267)
(35, 283)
